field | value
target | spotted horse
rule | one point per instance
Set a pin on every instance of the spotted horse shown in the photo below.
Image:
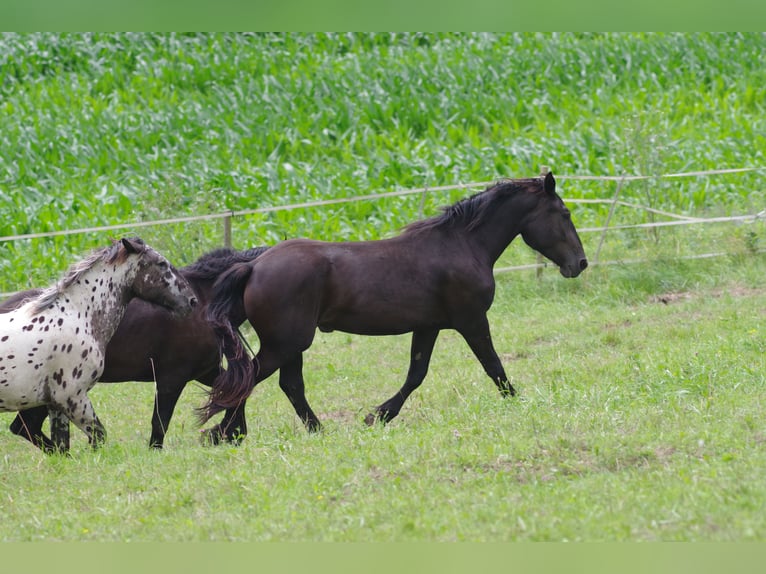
(52, 347)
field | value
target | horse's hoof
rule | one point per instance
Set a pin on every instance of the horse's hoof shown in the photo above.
(235, 440)
(59, 452)
(210, 437)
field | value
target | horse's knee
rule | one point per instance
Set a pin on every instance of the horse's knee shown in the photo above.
(96, 434)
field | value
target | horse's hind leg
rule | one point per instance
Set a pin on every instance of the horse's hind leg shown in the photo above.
(420, 356)
(28, 424)
(292, 384)
(233, 425)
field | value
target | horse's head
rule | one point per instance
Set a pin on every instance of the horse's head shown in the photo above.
(548, 229)
(157, 281)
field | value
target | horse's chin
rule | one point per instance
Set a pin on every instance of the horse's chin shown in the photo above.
(569, 272)
(573, 269)
(178, 311)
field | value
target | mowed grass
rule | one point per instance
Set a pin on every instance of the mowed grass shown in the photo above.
(640, 417)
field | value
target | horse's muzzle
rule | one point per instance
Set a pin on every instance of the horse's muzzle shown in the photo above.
(184, 309)
(573, 270)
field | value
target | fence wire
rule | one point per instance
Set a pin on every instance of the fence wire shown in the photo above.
(675, 218)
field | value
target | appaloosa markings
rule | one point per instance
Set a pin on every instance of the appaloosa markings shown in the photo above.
(52, 347)
(153, 345)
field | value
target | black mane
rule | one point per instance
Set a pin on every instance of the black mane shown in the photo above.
(470, 211)
(215, 262)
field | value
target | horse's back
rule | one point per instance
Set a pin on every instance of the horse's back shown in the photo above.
(366, 287)
(18, 299)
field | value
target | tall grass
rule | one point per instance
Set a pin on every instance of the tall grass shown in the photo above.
(110, 128)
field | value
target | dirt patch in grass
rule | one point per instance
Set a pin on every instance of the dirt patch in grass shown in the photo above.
(343, 416)
(731, 291)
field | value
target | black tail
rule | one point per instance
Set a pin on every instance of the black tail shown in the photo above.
(224, 313)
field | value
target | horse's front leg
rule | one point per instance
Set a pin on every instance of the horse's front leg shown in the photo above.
(420, 356)
(80, 411)
(165, 401)
(59, 431)
(480, 341)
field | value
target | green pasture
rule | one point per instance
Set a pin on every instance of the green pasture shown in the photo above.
(640, 413)
(640, 417)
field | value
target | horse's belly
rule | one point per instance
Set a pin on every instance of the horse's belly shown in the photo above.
(380, 324)
(16, 393)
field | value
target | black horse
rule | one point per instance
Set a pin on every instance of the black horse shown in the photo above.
(153, 345)
(436, 275)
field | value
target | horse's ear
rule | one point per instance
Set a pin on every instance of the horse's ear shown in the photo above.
(131, 245)
(549, 183)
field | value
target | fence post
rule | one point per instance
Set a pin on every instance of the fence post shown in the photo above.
(422, 202)
(544, 170)
(608, 218)
(227, 231)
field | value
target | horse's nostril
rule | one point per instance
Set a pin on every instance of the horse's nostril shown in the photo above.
(583, 264)
(193, 301)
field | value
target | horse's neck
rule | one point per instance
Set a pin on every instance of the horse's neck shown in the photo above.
(101, 295)
(499, 228)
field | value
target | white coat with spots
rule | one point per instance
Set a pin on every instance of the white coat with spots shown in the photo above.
(52, 347)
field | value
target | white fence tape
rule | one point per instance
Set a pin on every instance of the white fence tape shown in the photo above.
(677, 219)
(375, 196)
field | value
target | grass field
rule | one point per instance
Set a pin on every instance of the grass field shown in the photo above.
(640, 415)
